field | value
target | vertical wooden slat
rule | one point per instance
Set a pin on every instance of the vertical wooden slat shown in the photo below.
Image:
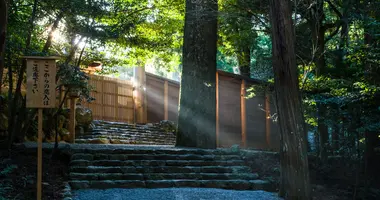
(267, 119)
(142, 96)
(39, 156)
(139, 76)
(217, 109)
(243, 114)
(145, 100)
(101, 79)
(166, 100)
(116, 116)
(72, 119)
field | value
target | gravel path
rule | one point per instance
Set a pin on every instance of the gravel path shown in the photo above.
(173, 194)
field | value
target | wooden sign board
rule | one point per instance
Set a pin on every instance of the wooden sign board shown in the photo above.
(41, 75)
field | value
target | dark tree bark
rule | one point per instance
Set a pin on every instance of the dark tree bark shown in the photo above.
(197, 119)
(323, 132)
(371, 138)
(244, 59)
(3, 33)
(295, 183)
(318, 31)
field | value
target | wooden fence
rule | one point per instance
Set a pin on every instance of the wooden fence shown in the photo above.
(113, 99)
(242, 121)
(150, 98)
(162, 97)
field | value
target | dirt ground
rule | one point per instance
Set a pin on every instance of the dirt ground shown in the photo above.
(18, 170)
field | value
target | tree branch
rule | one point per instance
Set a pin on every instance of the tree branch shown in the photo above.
(334, 8)
(333, 34)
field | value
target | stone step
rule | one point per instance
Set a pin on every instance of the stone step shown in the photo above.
(158, 138)
(223, 184)
(162, 176)
(137, 141)
(123, 134)
(125, 156)
(156, 163)
(157, 151)
(128, 126)
(159, 169)
(126, 130)
(97, 122)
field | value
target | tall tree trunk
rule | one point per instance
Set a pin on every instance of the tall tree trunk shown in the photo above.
(197, 119)
(244, 59)
(318, 38)
(51, 32)
(18, 97)
(295, 183)
(335, 136)
(10, 96)
(371, 138)
(323, 132)
(3, 34)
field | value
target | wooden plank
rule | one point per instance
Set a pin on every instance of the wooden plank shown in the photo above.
(145, 103)
(112, 93)
(155, 77)
(102, 96)
(166, 100)
(39, 156)
(40, 91)
(267, 119)
(72, 119)
(243, 114)
(217, 109)
(229, 113)
(42, 57)
(116, 102)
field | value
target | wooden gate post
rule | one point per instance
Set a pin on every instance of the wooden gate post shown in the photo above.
(217, 109)
(139, 95)
(72, 119)
(166, 100)
(267, 119)
(243, 114)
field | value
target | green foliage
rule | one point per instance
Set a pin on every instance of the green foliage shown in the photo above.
(243, 25)
(72, 78)
(7, 170)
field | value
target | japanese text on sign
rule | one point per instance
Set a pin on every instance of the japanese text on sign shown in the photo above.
(41, 84)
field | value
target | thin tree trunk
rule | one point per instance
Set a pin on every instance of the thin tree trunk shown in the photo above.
(245, 62)
(197, 119)
(3, 34)
(10, 96)
(295, 183)
(51, 33)
(323, 132)
(81, 54)
(335, 137)
(73, 49)
(318, 37)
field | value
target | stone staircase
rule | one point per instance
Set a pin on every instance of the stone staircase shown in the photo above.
(155, 167)
(105, 132)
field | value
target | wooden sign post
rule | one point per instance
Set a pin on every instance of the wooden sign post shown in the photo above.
(40, 93)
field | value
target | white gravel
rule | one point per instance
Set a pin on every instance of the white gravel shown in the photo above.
(173, 194)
